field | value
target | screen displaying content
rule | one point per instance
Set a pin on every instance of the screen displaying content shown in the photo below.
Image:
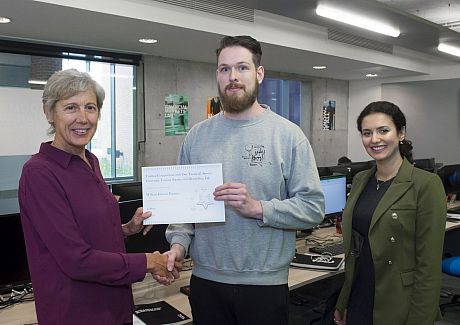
(335, 193)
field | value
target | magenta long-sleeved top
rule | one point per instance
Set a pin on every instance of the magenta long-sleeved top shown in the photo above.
(79, 268)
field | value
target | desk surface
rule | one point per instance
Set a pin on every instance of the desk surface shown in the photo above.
(149, 291)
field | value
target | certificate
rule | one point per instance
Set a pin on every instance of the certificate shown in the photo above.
(182, 194)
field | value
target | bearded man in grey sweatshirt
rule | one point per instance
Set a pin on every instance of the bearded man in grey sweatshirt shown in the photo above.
(271, 189)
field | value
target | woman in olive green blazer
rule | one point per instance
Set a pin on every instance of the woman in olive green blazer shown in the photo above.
(402, 248)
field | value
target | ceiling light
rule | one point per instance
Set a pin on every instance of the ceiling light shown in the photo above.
(148, 40)
(319, 67)
(4, 20)
(449, 49)
(37, 82)
(346, 17)
(371, 75)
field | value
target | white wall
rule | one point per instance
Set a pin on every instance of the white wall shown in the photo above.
(361, 93)
(432, 110)
(23, 125)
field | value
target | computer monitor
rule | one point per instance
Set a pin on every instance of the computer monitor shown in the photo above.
(359, 166)
(343, 169)
(427, 164)
(324, 171)
(155, 239)
(450, 176)
(127, 191)
(335, 194)
(15, 269)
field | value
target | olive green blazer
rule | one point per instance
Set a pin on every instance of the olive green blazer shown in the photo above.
(406, 237)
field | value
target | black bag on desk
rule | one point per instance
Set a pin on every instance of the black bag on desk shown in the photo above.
(327, 308)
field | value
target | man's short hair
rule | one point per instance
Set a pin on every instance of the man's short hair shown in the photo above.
(244, 41)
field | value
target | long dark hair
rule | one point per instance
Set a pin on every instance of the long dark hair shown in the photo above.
(393, 111)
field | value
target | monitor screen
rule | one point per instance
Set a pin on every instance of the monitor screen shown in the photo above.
(127, 191)
(335, 193)
(450, 176)
(15, 269)
(427, 164)
(324, 171)
(359, 166)
(155, 239)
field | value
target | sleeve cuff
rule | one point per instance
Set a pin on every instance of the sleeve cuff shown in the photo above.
(138, 266)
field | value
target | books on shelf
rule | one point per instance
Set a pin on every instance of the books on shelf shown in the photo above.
(324, 262)
(158, 313)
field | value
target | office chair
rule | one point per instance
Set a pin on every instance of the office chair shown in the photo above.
(451, 266)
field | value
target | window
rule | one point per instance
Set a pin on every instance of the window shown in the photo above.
(283, 97)
(113, 142)
(24, 69)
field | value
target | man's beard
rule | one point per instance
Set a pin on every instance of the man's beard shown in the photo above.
(236, 103)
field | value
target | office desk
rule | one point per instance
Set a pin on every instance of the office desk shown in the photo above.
(149, 291)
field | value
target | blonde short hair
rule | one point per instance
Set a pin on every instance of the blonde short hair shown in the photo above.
(67, 83)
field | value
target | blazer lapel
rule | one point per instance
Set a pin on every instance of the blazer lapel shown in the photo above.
(400, 185)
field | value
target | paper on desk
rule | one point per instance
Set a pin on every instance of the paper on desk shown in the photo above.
(182, 194)
(453, 216)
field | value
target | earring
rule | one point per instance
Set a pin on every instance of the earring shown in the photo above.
(400, 141)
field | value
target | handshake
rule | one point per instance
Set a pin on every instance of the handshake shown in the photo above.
(165, 267)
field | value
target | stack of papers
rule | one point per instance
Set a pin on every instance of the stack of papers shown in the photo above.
(455, 216)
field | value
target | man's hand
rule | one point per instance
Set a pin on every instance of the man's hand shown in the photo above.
(237, 196)
(135, 225)
(174, 259)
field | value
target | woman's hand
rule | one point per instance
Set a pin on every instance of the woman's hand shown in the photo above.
(156, 264)
(174, 259)
(135, 224)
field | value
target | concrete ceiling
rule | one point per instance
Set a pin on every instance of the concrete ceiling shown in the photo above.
(442, 12)
(109, 29)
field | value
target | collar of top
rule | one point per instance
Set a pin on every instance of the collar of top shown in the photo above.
(61, 157)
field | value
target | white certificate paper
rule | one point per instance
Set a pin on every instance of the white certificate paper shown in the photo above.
(182, 194)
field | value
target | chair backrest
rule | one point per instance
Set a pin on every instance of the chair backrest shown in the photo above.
(451, 266)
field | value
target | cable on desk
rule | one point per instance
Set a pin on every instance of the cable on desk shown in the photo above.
(17, 295)
(187, 265)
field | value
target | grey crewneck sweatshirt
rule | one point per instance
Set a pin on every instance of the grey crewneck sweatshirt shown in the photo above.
(272, 156)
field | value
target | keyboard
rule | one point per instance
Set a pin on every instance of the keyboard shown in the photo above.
(332, 248)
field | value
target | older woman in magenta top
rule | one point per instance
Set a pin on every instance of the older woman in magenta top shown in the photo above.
(80, 270)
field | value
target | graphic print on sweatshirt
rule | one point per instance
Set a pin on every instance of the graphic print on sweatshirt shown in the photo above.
(255, 155)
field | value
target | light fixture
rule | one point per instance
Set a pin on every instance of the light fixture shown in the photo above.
(148, 40)
(319, 67)
(37, 82)
(347, 17)
(5, 20)
(453, 50)
(371, 75)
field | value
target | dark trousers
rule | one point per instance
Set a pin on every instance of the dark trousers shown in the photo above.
(236, 304)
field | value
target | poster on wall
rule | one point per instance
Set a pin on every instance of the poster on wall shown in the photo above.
(329, 115)
(176, 114)
(213, 106)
